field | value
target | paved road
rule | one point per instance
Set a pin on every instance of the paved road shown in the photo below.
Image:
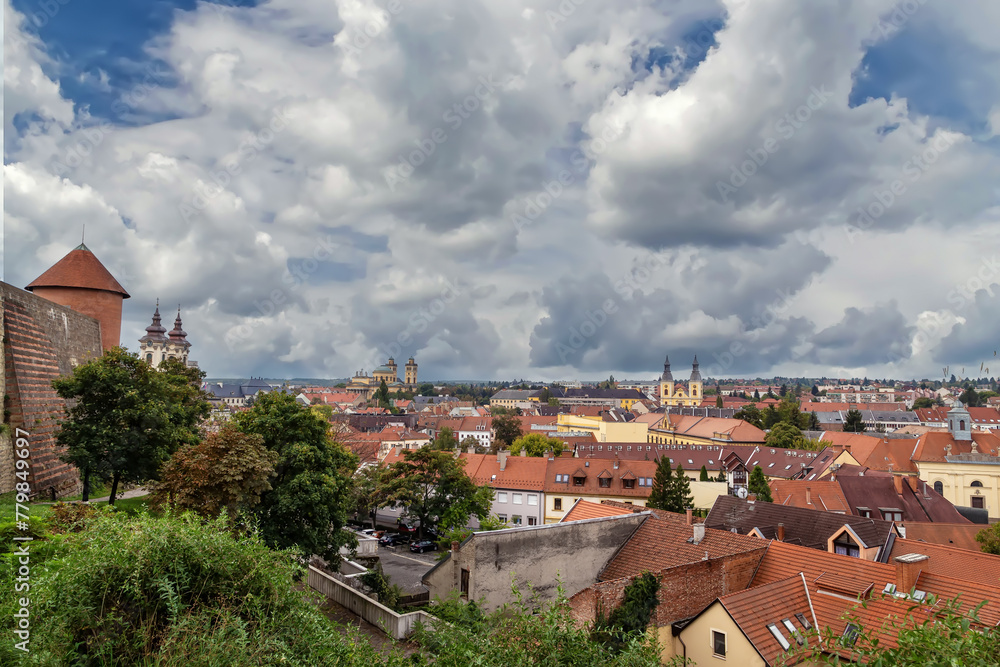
(405, 568)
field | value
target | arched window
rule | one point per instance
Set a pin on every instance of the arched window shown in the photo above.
(939, 487)
(976, 482)
(961, 425)
(149, 359)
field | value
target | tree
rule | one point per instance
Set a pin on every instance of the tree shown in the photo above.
(426, 389)
(434, 489)
(970, 397)
(471, 442)
(506, 429)
(679, 498)
(854, 422)
(770, 416)
(445, 440)
(784, 435)
(382, 395)
(306, 508)
(814, 391)
(750, 414)
(663, 480)
(631, 618)
(536, 444)
(989, 539)
(811, 421)
(718, 401)
(324, 411)
(756, 395)
(226, 471)
(703, 477)
(544, 395)
(783, 390)
(126, 418)
(758, 485)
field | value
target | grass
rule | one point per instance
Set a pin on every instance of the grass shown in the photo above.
(7, 506)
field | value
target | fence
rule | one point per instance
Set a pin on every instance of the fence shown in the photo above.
(397, 626)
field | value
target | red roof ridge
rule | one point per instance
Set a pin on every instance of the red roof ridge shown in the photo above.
(80, 268)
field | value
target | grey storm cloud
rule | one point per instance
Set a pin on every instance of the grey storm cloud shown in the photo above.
(875, 335)
(975, 342)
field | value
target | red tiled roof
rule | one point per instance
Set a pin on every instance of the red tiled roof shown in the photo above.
(754, 609)
(661, 543)
(974, 566)
(983, 415)
(958, 535)
(79, 268)
(520, 472)
(822, 495)
(931, 445)
(816, 406)
(584, 509)
(590, 469)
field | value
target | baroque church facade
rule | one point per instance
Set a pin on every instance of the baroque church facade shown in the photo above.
(674, 394)
(158, 344)
(367, 385)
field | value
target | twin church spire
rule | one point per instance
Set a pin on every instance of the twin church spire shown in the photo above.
(671, 394)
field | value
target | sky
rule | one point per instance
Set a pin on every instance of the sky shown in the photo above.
(521, 188)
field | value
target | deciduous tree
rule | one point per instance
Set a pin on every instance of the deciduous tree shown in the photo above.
(536, 444)
(506, 429)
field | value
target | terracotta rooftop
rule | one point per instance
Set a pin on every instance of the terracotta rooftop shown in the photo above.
(661, 543)
(584, 509)
(589, 469)
(958, 535)
(824, 496)
(520, 472)
(934, 446)
(951, 561)
(985, 416)
(878, 492)
(735, 430)
(755, 608)
(80, 268)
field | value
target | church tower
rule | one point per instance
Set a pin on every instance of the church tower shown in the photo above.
(392, 366)
(178, 345)
(411, 371)
(960, 422)
(694, 384)
(666, 383)
(158, 345)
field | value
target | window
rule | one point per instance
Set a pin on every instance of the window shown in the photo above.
(465, 583)
(628, 483)
(532, 521)
(605, 482)
(865, 512)
(642, 481)
(719, 643)
(890, 515)
(777, 635)
(502, 517)
(532, 499)
(516, 519)
(976, 482)
(578, 481)
(562, 478)
(939, 488)
(557, 504)
(517, 498)
(803, 621)
(793, 631)
(850, 635)
(501, 496)
(978, 502)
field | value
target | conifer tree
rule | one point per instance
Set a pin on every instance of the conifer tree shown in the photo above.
(679, 498)
(662, 483)
(704, 475)
(758, 485)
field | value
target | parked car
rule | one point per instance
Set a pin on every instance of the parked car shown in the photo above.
(393, 539)
(406, 526)
(422, 546)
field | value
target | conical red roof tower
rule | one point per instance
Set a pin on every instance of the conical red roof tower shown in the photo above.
(81, 282)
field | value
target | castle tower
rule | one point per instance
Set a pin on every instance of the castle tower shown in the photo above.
(666, 383)
(694, 384)
(411, 371)
(79, 281)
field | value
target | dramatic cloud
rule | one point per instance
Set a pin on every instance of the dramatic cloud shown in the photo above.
(522, 189)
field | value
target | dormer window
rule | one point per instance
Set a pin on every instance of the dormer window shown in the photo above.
(578, 481)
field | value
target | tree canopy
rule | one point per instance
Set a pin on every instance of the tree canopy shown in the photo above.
(854, 422)
(125, 418)
(506, 429)
(758, 485)
(750, 414)
(785, 436)
(307, 506)
(445, 440)
(537, 444)
(671, 489)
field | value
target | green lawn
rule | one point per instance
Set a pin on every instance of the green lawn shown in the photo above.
(7, 506)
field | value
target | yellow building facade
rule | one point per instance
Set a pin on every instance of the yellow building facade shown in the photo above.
(620, 432)
(675, 394)
(367, 385)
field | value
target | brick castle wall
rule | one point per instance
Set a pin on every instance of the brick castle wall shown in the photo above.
(685, 590)
(105, 307)
(42, 341)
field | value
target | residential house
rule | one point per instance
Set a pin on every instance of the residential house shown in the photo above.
(696, 430)
(602, 429)
(511, 398)
(986, 418)
(479, 428)
(845, 534)
(518, 483)
(898, 497)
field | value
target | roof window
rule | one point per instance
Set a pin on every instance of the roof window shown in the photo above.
(780, 637)
(850, 636)
(803, 621)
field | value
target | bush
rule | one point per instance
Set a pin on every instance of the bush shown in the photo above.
(172, 591)
(71, 517)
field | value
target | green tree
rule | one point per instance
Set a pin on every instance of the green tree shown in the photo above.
(126, 418)
(989, 539)
(426, 389)
(770, 416)
(750, 413)
(756, 395)
(814, 391)
(228, 470)
(382, 395)
(811, 420)
(923, 402)
(369, 491)
(544, 395)
(663, 480)
(445, 440)
(703, 477)
(758, 485)
(629, 620)
(324, 411)
(537, 444)
(306, 508)
(471, 442)
(506, 429)
(784, 435)
(434, 489)
(854, 422)
(718, 401)
(679, 498)
(970, 397)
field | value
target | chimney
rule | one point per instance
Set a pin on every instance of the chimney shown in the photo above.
(781, 532)
(502, 458)
(454, 547)
(699, 533)
(690, 516)
(897, 481)
(809, 496)
(913, 480)
(908, 569)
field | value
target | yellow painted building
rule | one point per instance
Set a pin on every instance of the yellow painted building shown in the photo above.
(367, 385)
(675, 394)
(604, 431)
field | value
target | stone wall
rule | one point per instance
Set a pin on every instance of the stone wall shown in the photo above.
(42, 341)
